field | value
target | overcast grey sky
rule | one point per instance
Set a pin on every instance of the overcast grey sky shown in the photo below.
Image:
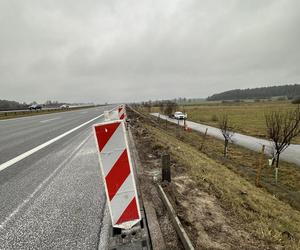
(132, 50)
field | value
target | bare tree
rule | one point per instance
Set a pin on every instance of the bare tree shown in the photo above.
(148, 106)
(226, 129)
(203, 140)
(161, 109)
(282, 127)
(169, 109)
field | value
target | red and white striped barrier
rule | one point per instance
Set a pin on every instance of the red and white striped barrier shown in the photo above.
(111, 115)
(117, 173)
(122, 112)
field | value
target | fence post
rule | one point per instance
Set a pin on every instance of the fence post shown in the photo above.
(166, 170)
(260, 166)
(203, 139)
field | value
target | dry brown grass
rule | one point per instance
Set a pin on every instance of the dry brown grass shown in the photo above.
(263, 214)
(245, 163)
(247, 118)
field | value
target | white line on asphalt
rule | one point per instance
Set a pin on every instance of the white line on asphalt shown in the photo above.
(32, 151)
(38, 116)
(9, 217)
(52, 119)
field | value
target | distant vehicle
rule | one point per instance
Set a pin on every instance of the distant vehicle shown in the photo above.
(35, 107)
(179, 115)
(64, 106)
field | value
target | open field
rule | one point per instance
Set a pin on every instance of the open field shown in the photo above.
(17, 114)
(217, 200)
(245, 163)
(246, 117)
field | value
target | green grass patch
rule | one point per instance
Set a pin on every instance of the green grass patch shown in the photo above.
(246, 117)
(263, 214)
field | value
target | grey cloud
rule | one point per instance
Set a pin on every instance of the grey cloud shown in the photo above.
(136, 50)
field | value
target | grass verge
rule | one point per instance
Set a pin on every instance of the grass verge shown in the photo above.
(265, 215)
(261, 212)
(245, 163)
(246, 117)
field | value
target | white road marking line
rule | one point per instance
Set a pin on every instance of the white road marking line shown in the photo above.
(9, 217)
(52, 119)
(38, 116)
(36, 149)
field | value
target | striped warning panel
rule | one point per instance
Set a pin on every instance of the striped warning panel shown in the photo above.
(122, 112)
(116, 167)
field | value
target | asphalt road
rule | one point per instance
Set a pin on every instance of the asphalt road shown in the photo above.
(54, 198)
(44, 108)
(291, 154)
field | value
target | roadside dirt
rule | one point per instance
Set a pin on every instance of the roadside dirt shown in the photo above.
(148, 173)
(209, 225)
(208, 222)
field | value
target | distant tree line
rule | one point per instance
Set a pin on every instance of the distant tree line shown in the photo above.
(296, 100)
(178, 101)
(289, 91)
(166, 107)
(13, 105)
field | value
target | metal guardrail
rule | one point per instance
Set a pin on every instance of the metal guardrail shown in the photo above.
(184, 238)
(24, 110)
(187, 244)
(6, 112)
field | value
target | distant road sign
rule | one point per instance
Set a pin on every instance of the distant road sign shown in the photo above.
(117, 173)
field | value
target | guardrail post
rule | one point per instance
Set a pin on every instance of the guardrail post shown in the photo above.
(178, 128)
(166, 170)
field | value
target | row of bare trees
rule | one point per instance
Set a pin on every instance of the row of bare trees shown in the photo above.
(281, 127)
(165, 107)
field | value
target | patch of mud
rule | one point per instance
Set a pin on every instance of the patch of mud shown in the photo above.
(208, 224)
(150, 172)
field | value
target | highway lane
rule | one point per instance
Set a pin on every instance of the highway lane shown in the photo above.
(291, 154)
(21, 134)
(44, 108)
(53, 199)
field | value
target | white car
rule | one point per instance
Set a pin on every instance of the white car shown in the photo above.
(35, 107)
(180, 116)
(64, 106)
